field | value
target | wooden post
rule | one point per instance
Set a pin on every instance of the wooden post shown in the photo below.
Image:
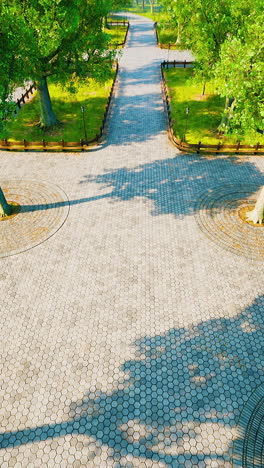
(81, 143)
(198, 147)
(25, 145)
(184, 66)
(256, 148)
(218, 146)
(237, 146)
(18, 103)
(44, 145)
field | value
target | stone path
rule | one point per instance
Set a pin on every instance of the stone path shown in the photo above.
(129, 338)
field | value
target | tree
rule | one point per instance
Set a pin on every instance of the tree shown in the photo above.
(66, 41)
(226, 38)
(5, 208)
(239, 73)
(257, 215)
(178, 14)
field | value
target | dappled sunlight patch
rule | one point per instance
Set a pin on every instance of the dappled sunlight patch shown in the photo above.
(249, 327)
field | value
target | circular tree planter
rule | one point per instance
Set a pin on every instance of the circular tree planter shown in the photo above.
(221, 215)
(40, 209)
(248, 450)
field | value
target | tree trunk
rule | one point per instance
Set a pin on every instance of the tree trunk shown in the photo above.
(178, 40)
(204, 88)
(105, 22)
(47, 116)
(257, 215)
(228, 112)
(5, 208)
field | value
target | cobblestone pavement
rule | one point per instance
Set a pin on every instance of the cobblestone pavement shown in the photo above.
(130, 338)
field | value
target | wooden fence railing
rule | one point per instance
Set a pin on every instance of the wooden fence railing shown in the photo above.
(199, 147)
(62, 145)
(19, 102)
(170, 45)
(177, 64)
(122, 24)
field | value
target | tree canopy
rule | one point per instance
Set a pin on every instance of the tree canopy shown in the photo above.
(226, 38)
(62, 39)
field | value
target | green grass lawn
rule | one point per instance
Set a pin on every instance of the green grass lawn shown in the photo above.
(204, 111)
(116, 34)
(167, 36)
(67, 107)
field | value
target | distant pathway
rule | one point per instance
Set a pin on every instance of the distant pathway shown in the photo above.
(129, 338)
(138, 115)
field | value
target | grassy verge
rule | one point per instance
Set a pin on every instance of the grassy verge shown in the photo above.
(205, 112)
(116, 35)
(67, 107)
(168, 36)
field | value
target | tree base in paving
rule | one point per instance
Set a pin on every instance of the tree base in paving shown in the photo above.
(5, 208)
(257, 215)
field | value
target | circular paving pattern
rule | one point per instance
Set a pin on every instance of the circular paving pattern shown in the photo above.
(248, 449)
(43, 210)
(218, 214)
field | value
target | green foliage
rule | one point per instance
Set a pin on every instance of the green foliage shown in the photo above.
(201, 124)
(58, 38)
(116, 5)
(226, 38)
(14, 37)
(240, 71)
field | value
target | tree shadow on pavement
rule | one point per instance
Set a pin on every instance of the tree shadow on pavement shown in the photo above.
(181, 400)
(175, 185)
